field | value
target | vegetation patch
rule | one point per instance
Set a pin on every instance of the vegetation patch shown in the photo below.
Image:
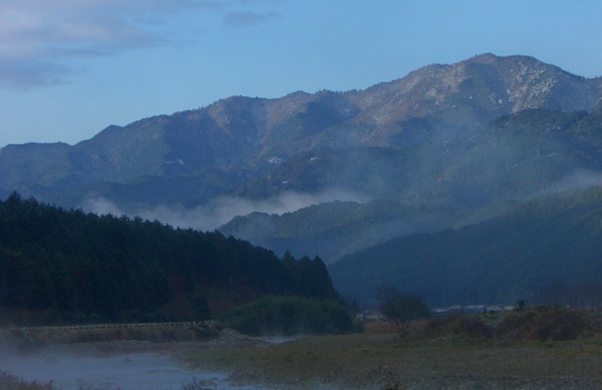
(290, 315)
(10, 382)
(544, 324)
(35, 338)
(459, 326)
(458, 352)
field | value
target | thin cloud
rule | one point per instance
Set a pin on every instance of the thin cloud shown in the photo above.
(38, 37)
(23, 74)
(246, 18)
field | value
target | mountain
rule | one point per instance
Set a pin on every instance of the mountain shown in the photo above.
(460, 180)
(524, 254)
(444, 146)
(220, 147)
(334, 229)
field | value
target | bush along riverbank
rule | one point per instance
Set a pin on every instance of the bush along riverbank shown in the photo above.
(110, 338)
(289, 316)
(271, 315)
(533, 349)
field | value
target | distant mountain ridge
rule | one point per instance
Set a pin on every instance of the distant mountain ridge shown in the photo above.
(239, 136)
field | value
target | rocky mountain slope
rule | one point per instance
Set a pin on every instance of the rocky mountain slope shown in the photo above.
(242, 137)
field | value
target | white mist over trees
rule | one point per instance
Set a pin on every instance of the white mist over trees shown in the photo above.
(221, 210)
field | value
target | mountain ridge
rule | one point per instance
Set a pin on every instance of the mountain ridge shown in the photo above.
(221, 147)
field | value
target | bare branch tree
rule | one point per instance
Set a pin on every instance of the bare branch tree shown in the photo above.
(400, 310)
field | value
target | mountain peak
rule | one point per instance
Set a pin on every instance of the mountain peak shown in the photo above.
(484, 58)
(244, 133)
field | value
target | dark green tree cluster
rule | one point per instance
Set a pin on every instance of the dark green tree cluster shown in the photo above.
(68, 266)
(310, 277)
(290, 315)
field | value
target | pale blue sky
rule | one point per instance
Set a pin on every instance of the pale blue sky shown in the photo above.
(69, 68)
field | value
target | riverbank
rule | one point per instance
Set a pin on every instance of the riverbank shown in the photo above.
(454, 353)
(124, 364)
(364, 361)
(166, 341)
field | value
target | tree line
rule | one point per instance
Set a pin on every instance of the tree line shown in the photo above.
(67, 266)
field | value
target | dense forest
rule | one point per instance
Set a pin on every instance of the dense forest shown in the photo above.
(546, 251)
(59, 266)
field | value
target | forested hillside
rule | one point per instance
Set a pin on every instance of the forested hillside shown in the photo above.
(67, 266)
(332, 230)
(452, 179)
(534, 253)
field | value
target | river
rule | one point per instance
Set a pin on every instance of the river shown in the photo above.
(124, 371)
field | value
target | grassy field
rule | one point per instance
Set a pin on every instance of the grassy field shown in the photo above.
(377, 359)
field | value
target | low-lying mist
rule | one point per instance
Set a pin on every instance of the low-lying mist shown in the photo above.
(107, 371)
(578, 180)
(220, 210)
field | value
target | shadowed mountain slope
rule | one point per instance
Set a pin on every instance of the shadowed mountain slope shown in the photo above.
(517, 256)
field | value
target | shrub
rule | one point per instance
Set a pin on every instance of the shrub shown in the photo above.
(401, 310)
(543, 324)
(458, 326)
(289, 315)
(9, 382)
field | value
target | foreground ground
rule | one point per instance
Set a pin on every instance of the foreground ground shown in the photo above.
(375, 359)
(383, 361)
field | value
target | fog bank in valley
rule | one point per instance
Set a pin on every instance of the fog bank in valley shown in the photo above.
(221, 210)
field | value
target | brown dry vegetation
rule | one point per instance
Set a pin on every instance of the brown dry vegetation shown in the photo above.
(39, 338)
(10, 382)
(459, 352)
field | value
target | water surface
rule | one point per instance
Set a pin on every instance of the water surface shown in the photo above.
(127, 371)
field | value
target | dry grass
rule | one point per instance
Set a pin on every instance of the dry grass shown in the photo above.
(379, 327)
(40, 338)
(383, 361)
(10, 382)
